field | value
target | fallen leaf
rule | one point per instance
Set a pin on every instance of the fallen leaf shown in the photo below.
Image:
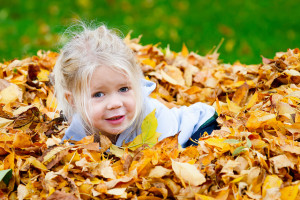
(271, 182)
(10, 94)
(62, 196)
(188, 173)
(148, 134)
(159, 172)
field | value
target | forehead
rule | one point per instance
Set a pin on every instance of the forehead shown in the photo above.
(105, 76)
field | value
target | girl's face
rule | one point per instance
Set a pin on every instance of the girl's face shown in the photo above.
(113, 101)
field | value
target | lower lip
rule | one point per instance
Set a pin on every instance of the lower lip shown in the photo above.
(116, 121)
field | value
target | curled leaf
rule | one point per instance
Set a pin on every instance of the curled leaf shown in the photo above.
(188, 173)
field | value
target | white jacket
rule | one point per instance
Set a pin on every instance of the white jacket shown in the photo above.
(185, 119)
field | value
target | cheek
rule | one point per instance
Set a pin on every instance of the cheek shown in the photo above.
(131, 105)
(95, 111)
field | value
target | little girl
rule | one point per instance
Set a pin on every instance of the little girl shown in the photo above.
(100, 88)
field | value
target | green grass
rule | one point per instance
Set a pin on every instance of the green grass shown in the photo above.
(250, 28)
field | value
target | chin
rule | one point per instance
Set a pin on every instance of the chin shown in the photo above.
(116, 131)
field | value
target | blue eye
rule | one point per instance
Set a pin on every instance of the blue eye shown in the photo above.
(98, 94)
(124, 89)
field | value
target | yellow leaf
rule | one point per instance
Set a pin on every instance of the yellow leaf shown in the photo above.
(218, 142)
(271, 181)
(9, 161)
(36, 163)
(203, 197)
(218, 107)
(236, 180)
(192, 90)
(228, 117)
(258, 118)
(43, 75)
(51, 155)
(51, 102)
(116, 151)
(95, 181)
(149, 62)
(85, 188)
(10, 94)
(4, 137)
(149, 135)
(184, 51)
(233, 107)
(128, 38)
(289, 193)
(252, 100)
(71, 157)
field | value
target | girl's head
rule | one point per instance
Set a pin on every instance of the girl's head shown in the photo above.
(96, 75)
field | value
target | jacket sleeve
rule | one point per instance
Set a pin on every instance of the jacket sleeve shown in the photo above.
(76, 129)
(191, 118)
(185, 119)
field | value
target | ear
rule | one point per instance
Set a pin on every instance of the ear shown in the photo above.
(69, 97)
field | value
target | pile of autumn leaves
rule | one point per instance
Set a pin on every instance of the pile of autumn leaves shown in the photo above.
(255, 154)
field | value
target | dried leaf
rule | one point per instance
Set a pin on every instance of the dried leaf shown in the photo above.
(62, 196)
(26, 117)
(5, 122)
(271, 181)
(10, 94)
(159, 172)
(258, 113)
(289, 192)
(22, 140)
(188, 173)
(241, 94)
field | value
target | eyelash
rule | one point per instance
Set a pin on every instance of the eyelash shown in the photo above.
(95, 95)
(122, 89)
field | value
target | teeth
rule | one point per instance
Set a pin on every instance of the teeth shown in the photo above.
(114, 118)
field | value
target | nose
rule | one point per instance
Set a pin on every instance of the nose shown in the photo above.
(114, 102)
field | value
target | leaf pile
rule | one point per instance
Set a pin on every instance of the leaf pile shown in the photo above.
(255, 154)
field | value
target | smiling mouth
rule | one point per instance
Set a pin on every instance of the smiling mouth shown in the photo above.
(115, 118)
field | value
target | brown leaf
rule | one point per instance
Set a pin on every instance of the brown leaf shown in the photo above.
(26, 117)
(241, 94)
(62, 196)
(105, 143)
(53, 155)
(33, 70)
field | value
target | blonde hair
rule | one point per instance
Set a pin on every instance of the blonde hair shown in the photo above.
(87, 50)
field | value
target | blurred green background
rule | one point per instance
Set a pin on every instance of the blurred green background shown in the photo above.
(250, 28)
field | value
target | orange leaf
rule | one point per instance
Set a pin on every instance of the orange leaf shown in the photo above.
(22, 140)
